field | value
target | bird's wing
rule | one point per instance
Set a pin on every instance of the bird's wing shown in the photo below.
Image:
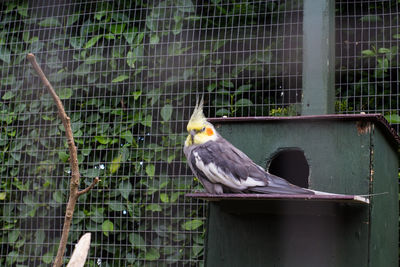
(220, 162)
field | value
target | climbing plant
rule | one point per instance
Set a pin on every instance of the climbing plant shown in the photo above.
(127, 73)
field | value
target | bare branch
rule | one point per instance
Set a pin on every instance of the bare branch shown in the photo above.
(74, 192)
(95, 181)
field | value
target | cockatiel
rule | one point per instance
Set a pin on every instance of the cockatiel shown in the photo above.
(222, 168)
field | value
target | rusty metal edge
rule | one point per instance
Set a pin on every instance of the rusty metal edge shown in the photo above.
(331, 198)
(378, 119)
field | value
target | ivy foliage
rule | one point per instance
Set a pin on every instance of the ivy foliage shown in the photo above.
(127, 73)
(123, 70)
(368, 81)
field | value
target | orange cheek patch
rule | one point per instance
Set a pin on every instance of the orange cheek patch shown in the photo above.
(209, 131)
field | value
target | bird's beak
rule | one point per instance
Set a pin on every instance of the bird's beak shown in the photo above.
(192, 134)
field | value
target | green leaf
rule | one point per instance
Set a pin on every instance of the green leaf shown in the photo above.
(134, 55)
(128, 136)
(136, 94)
(72, 19)
(154, 39)
(58, 197)
(187, 74)
(63, 156)
(12, 257)
(116, 205)
(92, 41)
(93, 77)
(100, 14)
(48, 257)
(50, 22)
(137, 241)
(125, 188)
(39, 236)
(92, 173)
(59, 76)
(77, 42)
(94, 59)
(139, 38)
(176, 49)
(82, 70)
(393, 118)
(154, 207)
(383, 50)
(243, 102)
(5, 54)
(64, 93)
(227, 83)
(222, 112)
(150, 170)
(117, 28)
(383, 63)
(164, 198)
(130, 258)
(10, 7)
(177, 28)
(192, 224)
(368, 53)
(218, 44)
(23, 9)
(396, 36)
(196, 250)
(166, 112)
(152, 254)
(115, 164)
(147, 120)
(120, 78)
(96, 215)
(129, 35)
(211, 87)
(109, 36)
(264, 56)
(103, 140)
(107, 227)
(36, 46)
(185, 5)
(370, 18)
(243, 88)
(3, 195)
(13, 236)
(131, 59)
(174, 196)
(25, 36)
(86, 151)
(8, 95)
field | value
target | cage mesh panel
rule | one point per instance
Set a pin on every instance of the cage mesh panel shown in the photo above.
(128, 75)
(367, 56)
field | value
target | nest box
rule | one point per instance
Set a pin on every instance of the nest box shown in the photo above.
(343, 154)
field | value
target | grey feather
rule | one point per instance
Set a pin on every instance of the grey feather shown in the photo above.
(235, 169)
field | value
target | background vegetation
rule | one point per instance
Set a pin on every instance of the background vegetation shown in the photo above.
(128, 73)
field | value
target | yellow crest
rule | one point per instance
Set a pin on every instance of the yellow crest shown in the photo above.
(197, 120)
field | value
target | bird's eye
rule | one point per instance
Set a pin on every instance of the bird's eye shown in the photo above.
(204, 128)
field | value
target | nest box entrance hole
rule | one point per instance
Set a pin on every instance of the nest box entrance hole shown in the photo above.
(290, 164)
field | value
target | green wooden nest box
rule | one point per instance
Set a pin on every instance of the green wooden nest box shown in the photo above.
(345, 154)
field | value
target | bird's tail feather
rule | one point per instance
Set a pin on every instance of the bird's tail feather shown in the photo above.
(323, 193)
(278, 185)
(293, 190)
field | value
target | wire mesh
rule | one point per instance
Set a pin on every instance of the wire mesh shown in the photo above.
(367, 54)
(128, 73)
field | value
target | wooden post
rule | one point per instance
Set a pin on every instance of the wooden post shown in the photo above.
(318, 57)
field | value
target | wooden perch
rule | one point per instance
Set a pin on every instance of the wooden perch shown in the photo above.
(74, 192)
